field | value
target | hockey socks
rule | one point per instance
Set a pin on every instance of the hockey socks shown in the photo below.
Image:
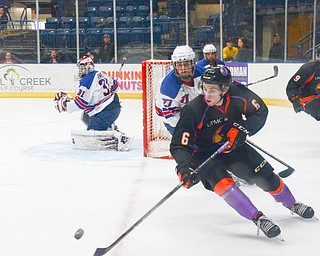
(287, 199)
(240, 202)
(283, 195)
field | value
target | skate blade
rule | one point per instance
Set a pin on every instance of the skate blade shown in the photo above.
(279, 237)
(314, 217)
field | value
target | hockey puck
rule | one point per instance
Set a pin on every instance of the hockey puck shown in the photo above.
(79, 233)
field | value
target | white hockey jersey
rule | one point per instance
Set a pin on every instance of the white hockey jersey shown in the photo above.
(173, 94)
(96, 91)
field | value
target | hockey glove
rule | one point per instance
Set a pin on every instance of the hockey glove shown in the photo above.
(61, 99)
(187, 176)
(61, 105)
(297, 105)
(60, 95)
(232, 131)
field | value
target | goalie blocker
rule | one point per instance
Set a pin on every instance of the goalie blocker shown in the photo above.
(100, 140)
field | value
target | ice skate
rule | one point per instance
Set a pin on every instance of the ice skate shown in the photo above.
(124, 143)
(270, 229)
(302, 210)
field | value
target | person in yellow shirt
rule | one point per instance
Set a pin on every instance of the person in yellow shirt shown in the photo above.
(229, 52)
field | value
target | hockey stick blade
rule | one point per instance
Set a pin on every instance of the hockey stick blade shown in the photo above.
(286, 173)
(275, 74)
(103, 251)
(275, 71)
(283, 174)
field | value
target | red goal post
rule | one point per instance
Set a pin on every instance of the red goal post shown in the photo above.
(156, 138)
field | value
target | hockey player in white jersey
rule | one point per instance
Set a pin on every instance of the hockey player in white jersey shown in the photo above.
(179, 86)
(97, 97)
(210, 57)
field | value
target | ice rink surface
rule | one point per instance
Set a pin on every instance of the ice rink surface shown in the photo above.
(48, 190)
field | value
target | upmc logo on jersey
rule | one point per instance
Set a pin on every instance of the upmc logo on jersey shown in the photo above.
(239, 71)
(19, 78)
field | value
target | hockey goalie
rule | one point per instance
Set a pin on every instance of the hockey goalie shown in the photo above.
(97, 98)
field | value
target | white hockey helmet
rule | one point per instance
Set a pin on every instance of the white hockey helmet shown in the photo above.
(85, 66)
(181, 54)
(209, 48)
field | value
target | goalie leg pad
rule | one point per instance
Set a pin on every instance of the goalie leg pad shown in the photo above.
(94, 140)
(100, 140)
(125, 143)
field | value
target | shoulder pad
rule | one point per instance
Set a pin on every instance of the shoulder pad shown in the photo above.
(199, 71)
(86, 81)
(170, 85)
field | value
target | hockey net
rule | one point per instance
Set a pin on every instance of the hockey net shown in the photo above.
(155, 135)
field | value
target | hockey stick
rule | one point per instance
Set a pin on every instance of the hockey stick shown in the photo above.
(283, 174)
(124, 59)
(103, 251)
(275, 74)
(85, 118)
(313, 99)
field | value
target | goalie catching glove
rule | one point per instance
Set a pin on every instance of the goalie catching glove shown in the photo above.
(61, 99)
(187, 176)
(232, 131)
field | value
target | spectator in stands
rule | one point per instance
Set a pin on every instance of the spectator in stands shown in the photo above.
(3, 18)
(54, 5)
(244, 53)
(53, 57)
(229, 52)
(8, 59)
(276, 52)
(106, 51)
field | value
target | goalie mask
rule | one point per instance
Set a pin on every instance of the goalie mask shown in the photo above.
(210, 48)
(183, 59)
(217, 75)
(85, 66)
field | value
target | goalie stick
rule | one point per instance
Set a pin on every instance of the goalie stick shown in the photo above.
(275, 74)
(124, 59)
(283, 174)
(103, 251)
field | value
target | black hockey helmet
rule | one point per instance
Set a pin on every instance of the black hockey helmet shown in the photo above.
(217, 75)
